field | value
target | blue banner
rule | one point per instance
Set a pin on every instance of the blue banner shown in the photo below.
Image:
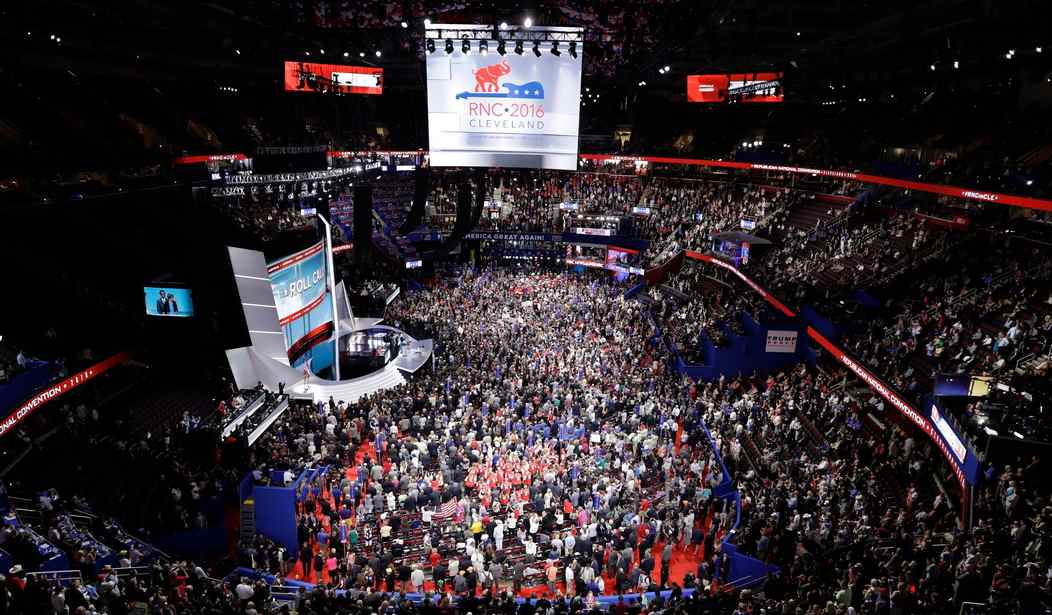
(37, 374)
(304, 303)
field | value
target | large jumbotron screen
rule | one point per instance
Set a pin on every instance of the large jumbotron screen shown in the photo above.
(304, 303)
(507, 110)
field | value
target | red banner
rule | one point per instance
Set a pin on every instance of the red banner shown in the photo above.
(871, 379)
(718, 88)
(945, 190)
(59, 388)
(313, 77)
(956, 191)
(206, 158)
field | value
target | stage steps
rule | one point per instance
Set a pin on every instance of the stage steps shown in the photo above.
(247, 533)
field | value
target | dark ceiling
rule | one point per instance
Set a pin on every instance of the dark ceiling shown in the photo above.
(815, 42)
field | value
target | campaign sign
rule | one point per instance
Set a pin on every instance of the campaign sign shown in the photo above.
(509, 111)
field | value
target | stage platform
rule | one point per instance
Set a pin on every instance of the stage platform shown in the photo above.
(350, 390)
(250, 367)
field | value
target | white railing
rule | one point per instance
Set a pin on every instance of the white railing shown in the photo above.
(59, 576)
(133, 571)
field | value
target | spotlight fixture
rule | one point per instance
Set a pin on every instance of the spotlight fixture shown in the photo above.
(430, 46)
(449, 46)
(528, 23)
(573, 49)
(484, 48)
(465, 47)
(427, 23)
(405, 25)
(518, 47)
(346, 54)
(667, 69)
(555, 49)
(500, 47)
(503, 25)
(321, 51)
(378, 53)
(537, 48)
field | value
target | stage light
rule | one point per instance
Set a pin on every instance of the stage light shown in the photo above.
(405, 25)
(956, 64)
(1038, 49)
(555, 49)
(321, 51)
(528, 23)
(536, 49)
(449, 46)
(430, 46)
(573, 49)
(500, 47)
(518, 47)
(667, 69)
(378, 53)
(307, 53)
(798, 34)
(503, 25)
(465, 47)
(1008, 56)
(1029, 182)
(427, 23)
(484, 48)
(237, 51)
(52, 37)
(932, 67)
(346, 54)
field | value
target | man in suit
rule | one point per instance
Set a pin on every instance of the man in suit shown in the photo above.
(162, 303)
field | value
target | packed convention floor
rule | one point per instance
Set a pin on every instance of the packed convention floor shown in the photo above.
(552, 452)
(461, 491)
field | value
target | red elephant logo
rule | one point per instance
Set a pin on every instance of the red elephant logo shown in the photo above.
(487, 76)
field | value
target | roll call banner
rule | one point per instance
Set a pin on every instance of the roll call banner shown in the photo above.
(300, 286)
(508, 111)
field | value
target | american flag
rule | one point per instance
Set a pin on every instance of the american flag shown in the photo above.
(445, 511)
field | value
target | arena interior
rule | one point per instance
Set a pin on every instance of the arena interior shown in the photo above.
(553, 307)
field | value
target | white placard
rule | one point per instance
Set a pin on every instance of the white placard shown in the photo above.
(958, 448)
(781, 341)
(509, 111)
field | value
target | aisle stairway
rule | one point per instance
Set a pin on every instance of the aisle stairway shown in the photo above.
(247, 532)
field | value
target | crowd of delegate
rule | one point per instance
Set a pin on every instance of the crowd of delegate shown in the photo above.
(538, 446)
(832, 490)
(547, 443)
